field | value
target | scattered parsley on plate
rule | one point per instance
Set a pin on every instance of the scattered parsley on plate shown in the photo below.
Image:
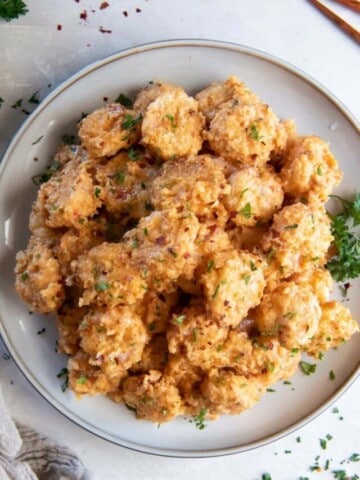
(11, 9)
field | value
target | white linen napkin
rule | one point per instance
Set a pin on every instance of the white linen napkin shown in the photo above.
(28, 455)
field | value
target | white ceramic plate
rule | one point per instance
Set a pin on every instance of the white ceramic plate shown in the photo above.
(192, 64)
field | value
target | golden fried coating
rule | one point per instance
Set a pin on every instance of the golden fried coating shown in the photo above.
(299, 236)
(216, 94)
(153, 397)
(196, 184)
(109, 129)
(183, 247)
(38, 278)
(114, 337)
(229, 393)
(123, 184)
(310, 170)
(246, 134)
(335, 327)
(162, 245)
(254, 197)
(107, 276)
(172, 125)
(291, 312)
(233, 283)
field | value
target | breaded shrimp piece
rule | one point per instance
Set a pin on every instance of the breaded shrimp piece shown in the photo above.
(196, 335)
(318, 279)
(211, 238)
(155, 310)
(108, 277)
(68, 320)
(146, 96)
(162, 245)
(310, 169)
(268, 359)
(290, 312)
(154, 356)
(88, 378)
(68, 196)
(114, 337)
(254, 197)
(216, 94)
(172, 125)
(229, 393)
(123, 184)
(335, 327)
(246, 134)
(37, 223)
(299, 236)
(233, 283)
(195, 183)
(38, 278)
(153, 397)
(109, 129)
(247, 238)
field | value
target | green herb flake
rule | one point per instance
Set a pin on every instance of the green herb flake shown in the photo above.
(246, 211)
(298, 439)
(323, 443)
(133, 154)
(243, 192)
(171, 119)
(134, 243)
(320, 355)
(68, 139)
(145, 232)
(254, 132)
(335, 410)
(270, 390)
(355, 457)
(172, 252)
(291, 227)
(102, 286)
(194, 335)
(289, 314)
(124, 101)
(294, 351)
(44, 177)
(252, 266)
(17, 104)
(64, 374)
(179, 319)
(33, 99)
(307, 368)
(152, 326)
(286, 382)
(223, 282)
(287, 451)
(199, 419)
(119, 176)
(81, 380)
(340, 474)
(210, 266)
(38, 140)
(24, 276)
(319, 170)
(1, 101)
(331, 375)
(266, 476)
(11, 9)
(164, 411)
(130, 122)
(97, 192)
(328, 436)
(246, 279)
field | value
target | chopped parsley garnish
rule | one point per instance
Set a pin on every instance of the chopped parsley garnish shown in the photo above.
(340, 474)
(41, 331)
(179, 319)
(124, 101)
(24, 276)
(132, 154)
(172, 252)
(64, 373)
(346, 262)
(38, 140)
(246, 279)
(210, 266)
(320, 355)
(81, 380)
(246, 211)
(298, 439)
(323, 443)
(319, 170)
(146, 231)
(332, 375)
(307, 368)
(17, 104)
(266, 476)
(243, 192)
(355, 457)
(102, 286)
(270, 390)
(97, 192)
(44, 177)
(291, 227)
(119, 176)
(294, 351)
(223, 282)
(152, 326)
(68, 139)
(252, 266)
(1, 101)
(289, 314)
(135, 243)
(10, 9)
(130, 122)
(194, 335)
(200, 419)
(33, 99)
(172, 120)
(335, 410)
(254, 132)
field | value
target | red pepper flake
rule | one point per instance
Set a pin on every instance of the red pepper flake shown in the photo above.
(59, 27)
(125, 13)
(104, 30)
(138, 10)
(83, 15)
(186, 255)
(77, 1)
(160, 240)
(104, 5)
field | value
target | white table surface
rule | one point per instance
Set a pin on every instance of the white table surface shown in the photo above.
(34, 54)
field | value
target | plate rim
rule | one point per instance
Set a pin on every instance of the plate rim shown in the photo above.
(46, 395)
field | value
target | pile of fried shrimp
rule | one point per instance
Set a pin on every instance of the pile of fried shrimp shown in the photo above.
(182, 247)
